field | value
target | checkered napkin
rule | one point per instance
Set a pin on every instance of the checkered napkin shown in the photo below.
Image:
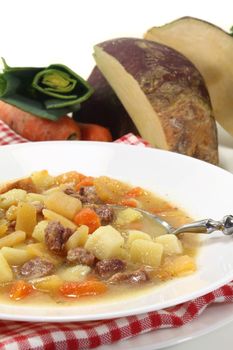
(89, 335)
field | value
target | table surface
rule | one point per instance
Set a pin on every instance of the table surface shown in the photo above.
(45, 32)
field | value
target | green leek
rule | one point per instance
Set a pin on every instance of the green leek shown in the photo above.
(45, 92)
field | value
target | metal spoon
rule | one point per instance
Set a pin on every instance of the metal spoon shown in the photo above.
(206, 226)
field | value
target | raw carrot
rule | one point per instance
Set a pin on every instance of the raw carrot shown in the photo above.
(86, 288)
(94, 132)
(88, 217)
(85, 181)
(38, 129)
(20, 289)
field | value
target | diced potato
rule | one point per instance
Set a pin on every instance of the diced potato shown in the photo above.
(136, 234)
(74, 273)
(110, 190)
(39, 249)
(11, 213)
(15, 256)
(12, 239)
(146, 252)
(6, 274)
(12, 197)
(3, 227)
(22, 246)
(60, 188)
(177, 266)
(78, 238)
(127, 216)
(122, 253)
(26, 218)
(35, 197)
(49, 284)
(171, 244)
(42, 180)
(51, 215)
(105, 242)
(63, 204)
(39, 231)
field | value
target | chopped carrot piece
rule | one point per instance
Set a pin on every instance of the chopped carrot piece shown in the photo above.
(86, 181)
(20, 289)
(88, 217)
(86, 288)
(70, 176)
(135, 192)
(130, 202)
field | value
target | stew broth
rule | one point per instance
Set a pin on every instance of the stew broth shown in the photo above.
(61, 240)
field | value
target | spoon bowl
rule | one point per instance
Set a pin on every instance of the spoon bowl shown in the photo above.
(205, 226)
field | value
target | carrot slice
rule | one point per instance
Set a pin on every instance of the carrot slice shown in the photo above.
(86, 181)
(20, 289)
(86, 288)
(88, 217)
(135, 192)
(70, 176)
(130, 202)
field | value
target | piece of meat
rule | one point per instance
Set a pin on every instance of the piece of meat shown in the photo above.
(107, 267)
(81, 256)
(36, 268)
(134, 277)
(105, 213)
(56, 236)
(86, 194)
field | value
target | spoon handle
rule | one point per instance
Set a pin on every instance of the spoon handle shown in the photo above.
(208, 226)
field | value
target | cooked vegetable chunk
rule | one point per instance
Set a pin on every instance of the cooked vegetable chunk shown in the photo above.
(63, 204)
(6, 274)
(146, 252)
(105, 242)
(171, 244)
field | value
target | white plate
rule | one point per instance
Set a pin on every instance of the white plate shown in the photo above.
(202, 189)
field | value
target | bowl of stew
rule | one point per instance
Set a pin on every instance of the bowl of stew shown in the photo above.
(74, 247)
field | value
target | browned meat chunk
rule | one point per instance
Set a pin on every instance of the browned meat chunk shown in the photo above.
(36, 268)
(56, 236)
(80, 256)
(108, 267)
(134, 277)
(105, 213)
(86, 194)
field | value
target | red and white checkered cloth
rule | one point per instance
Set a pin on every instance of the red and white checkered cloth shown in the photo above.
(89, 335)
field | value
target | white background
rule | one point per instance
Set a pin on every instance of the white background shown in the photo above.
(38, 33)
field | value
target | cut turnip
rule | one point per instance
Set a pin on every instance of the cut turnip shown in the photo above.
(211, 50)
(163, 93)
